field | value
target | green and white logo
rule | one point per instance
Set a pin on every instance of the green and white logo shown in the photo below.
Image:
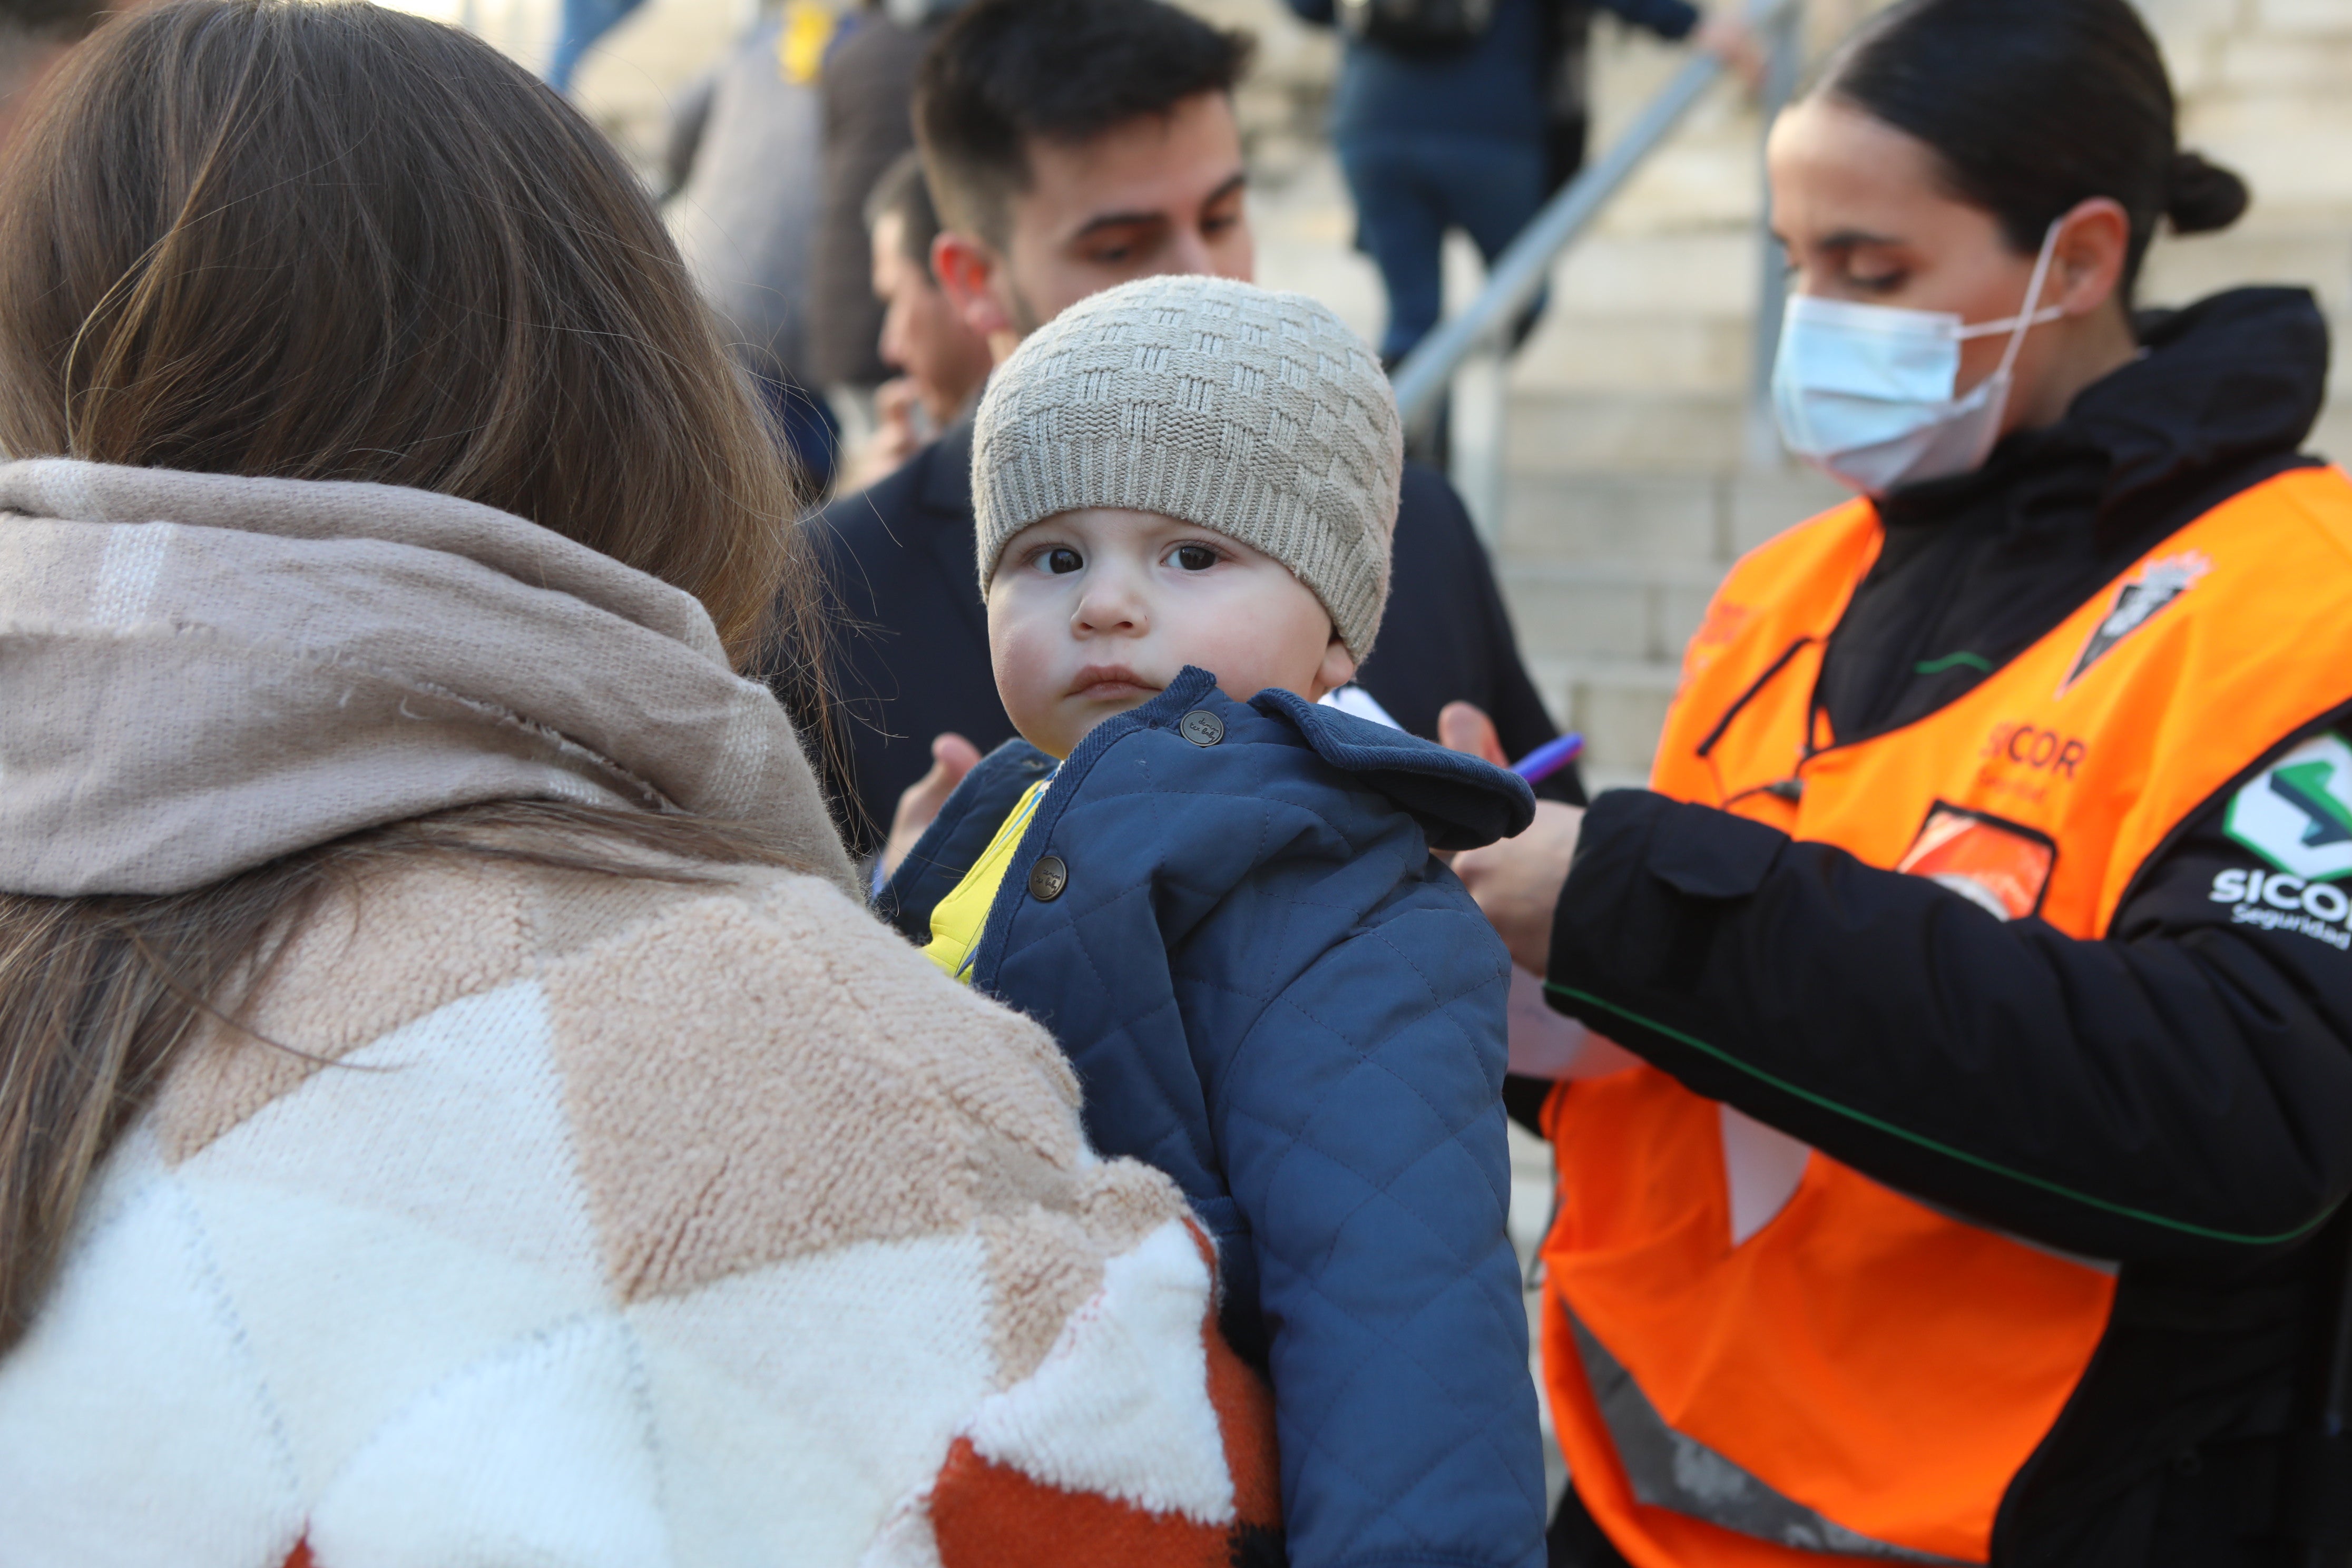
(2298, 813)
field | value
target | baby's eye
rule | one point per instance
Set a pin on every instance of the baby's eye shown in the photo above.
(1193, 557)
(1061, 560)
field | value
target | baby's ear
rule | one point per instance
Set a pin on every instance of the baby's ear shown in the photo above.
(1338, 668)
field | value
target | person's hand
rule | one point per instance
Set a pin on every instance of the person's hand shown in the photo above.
(1465, 727)
(1728, 37)
(1518, 881)
(899, 421)
(953, 756)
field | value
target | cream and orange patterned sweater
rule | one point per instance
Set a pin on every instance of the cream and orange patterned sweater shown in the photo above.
(564, 1219)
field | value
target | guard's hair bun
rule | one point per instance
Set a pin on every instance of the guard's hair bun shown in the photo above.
(2201, 197)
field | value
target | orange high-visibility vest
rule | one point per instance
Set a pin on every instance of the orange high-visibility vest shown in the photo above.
(1863, 1376)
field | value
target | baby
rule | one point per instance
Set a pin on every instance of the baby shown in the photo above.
(1220, 898)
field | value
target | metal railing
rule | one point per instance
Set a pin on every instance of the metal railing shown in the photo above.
(1467, 353)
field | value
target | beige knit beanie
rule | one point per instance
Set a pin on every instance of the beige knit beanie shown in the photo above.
(1256, 414)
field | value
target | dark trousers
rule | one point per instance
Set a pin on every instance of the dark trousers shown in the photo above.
(1410, 189)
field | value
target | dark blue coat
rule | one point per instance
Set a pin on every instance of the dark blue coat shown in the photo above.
(1272, 990)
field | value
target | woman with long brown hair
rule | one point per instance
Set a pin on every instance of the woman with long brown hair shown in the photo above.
(453, 1106)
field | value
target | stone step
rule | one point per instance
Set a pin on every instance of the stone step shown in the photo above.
(1628, 519)
(2313, 251)
(1592, 351)
(1627, 432)
(2309, 65)
(1607, 610)
(2289, 145)
(1688, 274)
(2324, 18)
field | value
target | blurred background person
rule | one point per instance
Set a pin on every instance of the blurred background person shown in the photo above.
(866, 95)
(1567, 39)
(33, 36)
(1071, 145)
(942, 361)
(579, 25)
(1462, 116)
(744, 145)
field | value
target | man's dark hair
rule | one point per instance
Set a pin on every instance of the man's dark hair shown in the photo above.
(1004, 71)
(904, 194)
(65, 19)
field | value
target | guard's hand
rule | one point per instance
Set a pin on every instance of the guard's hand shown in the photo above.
(953, 756)
(1728, 37)
(1518, 881)
(1465, 727)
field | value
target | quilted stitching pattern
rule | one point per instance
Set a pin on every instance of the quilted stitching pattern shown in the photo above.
(1270, 989)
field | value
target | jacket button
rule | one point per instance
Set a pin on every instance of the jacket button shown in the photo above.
(1201, 727)
(1047, 877)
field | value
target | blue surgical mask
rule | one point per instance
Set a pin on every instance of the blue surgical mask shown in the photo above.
(1868, 394)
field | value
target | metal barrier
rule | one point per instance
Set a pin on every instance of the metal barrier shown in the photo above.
(1467, 353)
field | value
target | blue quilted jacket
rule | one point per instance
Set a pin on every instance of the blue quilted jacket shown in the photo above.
(1228, 915)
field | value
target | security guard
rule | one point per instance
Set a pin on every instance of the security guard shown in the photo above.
(1985, 934)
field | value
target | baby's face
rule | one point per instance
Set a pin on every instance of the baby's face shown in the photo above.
(1092, 613)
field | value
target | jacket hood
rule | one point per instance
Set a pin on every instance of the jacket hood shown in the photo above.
(2243, 373)
(1461, 802)
(1455, 800)
(204, 672)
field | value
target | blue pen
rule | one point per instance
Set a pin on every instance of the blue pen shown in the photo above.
(1548, 758)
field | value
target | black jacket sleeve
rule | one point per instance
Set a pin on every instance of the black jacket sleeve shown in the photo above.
(2180, 1091)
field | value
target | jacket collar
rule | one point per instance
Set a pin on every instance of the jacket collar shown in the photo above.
(2235, 378)
(1459, 801)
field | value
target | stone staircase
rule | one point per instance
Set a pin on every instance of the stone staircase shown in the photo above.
(1627, 494)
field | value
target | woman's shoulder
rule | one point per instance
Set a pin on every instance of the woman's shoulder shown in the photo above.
(601, 1185)
(756, 988)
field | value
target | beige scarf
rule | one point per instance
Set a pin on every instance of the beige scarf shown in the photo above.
(199, 673)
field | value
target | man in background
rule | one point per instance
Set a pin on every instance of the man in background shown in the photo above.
(1072, 145)
(742, 140)
(1454, 116)
(868, 93)
(33, 36)
(941, 362)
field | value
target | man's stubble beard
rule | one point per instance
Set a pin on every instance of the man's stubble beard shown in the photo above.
(1026, 319)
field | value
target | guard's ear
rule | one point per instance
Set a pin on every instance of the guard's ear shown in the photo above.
(2086, 264)
(971, 273)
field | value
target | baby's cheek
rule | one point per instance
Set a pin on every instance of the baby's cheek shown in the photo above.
(1025, 664)
(1274, 636)
(1015, 660)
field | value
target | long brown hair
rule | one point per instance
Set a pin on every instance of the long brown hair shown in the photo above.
(329, 241)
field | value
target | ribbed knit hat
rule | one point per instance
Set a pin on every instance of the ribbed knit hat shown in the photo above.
(1256, 414)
